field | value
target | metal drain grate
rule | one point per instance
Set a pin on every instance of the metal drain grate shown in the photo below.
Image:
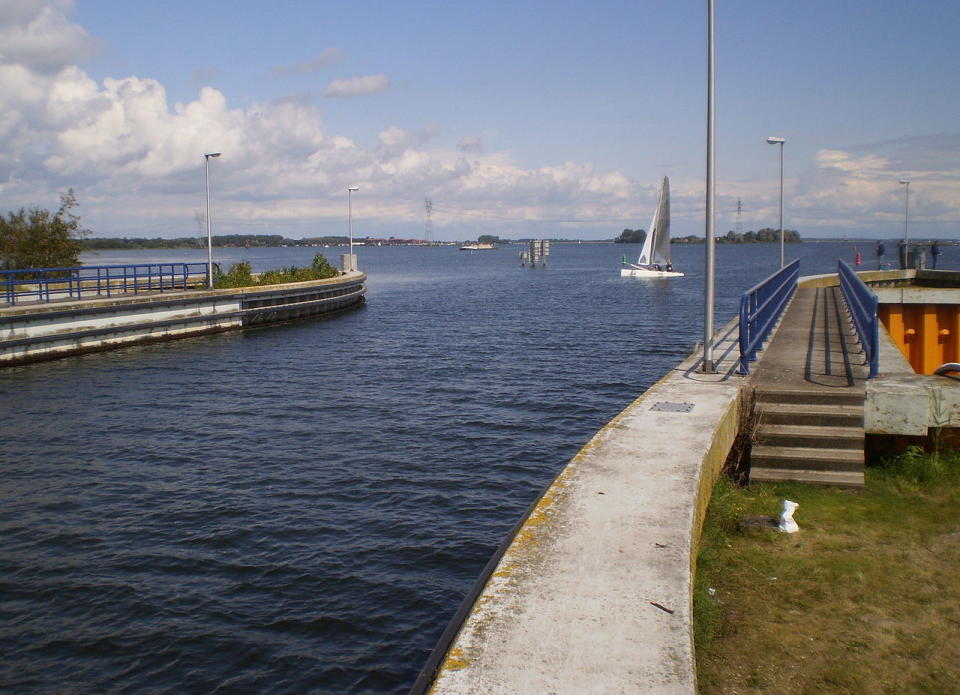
(670, 407)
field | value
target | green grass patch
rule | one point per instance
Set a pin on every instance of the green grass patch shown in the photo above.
(865, 598)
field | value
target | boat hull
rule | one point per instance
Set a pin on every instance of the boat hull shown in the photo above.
(644, 273)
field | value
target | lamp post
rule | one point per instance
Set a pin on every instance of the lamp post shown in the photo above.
(206, 167)
(906, 230)
(774, 140)
(350, 191)
(906, 211)
(708, 366)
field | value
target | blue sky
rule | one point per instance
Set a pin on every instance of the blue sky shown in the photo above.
(519, 119)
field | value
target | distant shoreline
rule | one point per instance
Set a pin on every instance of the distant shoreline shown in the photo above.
(124, 244)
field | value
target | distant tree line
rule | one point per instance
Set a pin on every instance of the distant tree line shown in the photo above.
(631, 236)
(35, 238)
(764, 235)
(220, 241)
(790, 236)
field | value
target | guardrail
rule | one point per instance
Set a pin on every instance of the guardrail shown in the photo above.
(862, 305)
(761, 306)
(48, 284)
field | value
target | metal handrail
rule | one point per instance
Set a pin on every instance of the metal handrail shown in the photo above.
(761, 307)
(862, 305)
(947, 369)
(47, 284)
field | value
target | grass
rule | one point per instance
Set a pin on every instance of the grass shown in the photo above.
(864, 599)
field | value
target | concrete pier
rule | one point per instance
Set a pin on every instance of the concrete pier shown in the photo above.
(36, 332)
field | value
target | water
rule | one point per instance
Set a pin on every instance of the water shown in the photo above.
(302, 508)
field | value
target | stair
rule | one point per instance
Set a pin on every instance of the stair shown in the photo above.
(808, 396)
(813, 436)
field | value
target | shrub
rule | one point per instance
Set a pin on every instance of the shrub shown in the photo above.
(239, 275)
(322, 266)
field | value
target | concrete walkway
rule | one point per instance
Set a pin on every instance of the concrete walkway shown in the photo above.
(593, 594)
(815, 347)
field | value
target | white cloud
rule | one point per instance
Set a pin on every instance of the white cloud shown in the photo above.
(357, 86)
(858, 187)
(39, 36)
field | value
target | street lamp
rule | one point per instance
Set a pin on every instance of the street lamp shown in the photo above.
(905, 245)
(350, 191)
(906, 211)
(708, 366)
(206, 167)
(774, 140)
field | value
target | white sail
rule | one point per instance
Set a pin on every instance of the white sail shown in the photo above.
(661, 233)
(646, 250)
(656, 245)
(654, 258)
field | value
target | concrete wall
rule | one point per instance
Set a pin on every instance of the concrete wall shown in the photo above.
(30, 333)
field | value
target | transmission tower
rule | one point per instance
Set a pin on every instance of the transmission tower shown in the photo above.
(428, 229)
(739, 218)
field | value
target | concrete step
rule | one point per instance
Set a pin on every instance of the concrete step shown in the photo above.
(786, 457)
(842, 478)
(766, 395)
(825, 414)
(810, 436)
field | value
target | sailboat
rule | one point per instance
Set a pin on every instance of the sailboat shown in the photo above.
(654, 261)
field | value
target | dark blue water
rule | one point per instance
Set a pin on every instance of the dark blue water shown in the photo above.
(302, 508)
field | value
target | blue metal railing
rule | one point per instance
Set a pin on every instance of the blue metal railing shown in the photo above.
(47, 284)
(761, 306)
(862, 305)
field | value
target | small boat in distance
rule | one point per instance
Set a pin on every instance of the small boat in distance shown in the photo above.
(476, 246)
(654, 261)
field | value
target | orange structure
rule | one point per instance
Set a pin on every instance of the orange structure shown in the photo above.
(927, 334)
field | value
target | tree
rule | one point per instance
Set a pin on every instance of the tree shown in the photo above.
(488, 239)
(631, 236)
(35, 238)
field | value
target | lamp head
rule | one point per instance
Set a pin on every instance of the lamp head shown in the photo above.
(353, 188)
(904, 181)
(212, 154)
(774, 140)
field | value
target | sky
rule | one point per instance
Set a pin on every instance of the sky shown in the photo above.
(520, 119)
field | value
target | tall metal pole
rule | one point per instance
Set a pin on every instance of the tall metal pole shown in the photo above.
(350, 191)
(905, 250)
(708, 292)
(906, 214)
(775, 140)
(783, 260)
(206, 166)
